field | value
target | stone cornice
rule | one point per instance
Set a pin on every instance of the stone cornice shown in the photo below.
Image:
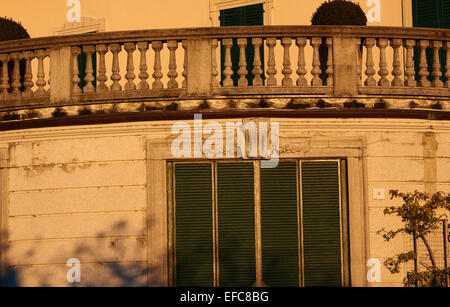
(215, 32)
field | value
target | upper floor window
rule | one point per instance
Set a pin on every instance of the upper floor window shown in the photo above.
(431, 14)
(251, 15)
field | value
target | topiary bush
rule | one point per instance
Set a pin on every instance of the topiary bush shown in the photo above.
(339, 12)
(336, 12)
(12, 30)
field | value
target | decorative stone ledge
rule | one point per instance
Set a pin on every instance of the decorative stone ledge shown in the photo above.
(373, 107)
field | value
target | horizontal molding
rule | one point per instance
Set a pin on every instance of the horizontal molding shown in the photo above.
(371, 120)
(223, 32)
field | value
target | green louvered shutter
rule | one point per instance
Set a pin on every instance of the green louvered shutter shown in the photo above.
(425, 13)
(82, 58)
(251, 15)
(445, 9)
(194, 256)
(279, 225)
(321, 223)
(445, 24)
(82, 68)
(236, 224)
(430, 14)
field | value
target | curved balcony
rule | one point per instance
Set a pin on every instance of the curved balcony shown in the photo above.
(308, 70)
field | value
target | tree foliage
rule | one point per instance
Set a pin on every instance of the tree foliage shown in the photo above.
(420, 216)
(339, 12)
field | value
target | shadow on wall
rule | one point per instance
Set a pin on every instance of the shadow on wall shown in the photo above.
(105, 261)
(7, 274)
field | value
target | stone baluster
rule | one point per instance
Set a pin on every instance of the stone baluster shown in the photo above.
(358, 65)
(89, 78)
(143, 75)
(76, 51)
(184, 45)
(47, 54)
(242, 72)
(40, 55)
(102, 49)
(4, 85)
(301, 70)
(409, 67)
(330, 70)
(447, 65)
(172, 45)
(423, 72)
(227, 72)
(370, 71)
(49, 71)
(383, 72)
(257, 69)
(271, 70)
(130, 75)
(315, 43)
(15, 84)
(214, 72)
(115, 77)
(157, 74)
(287, 71)
(28, 77)
(396, 71)
(437, 73)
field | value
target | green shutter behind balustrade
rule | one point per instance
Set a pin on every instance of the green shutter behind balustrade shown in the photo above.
(251, 15)
(279, 225)
(425, 13)
(193, 225)
(431, 14)
(82, 62)
(236, 224)
(445, 9)
(321, 223)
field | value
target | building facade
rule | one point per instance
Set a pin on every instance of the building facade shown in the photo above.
(199, 152)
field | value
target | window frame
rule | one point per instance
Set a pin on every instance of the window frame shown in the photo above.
(215, 6)
(4, 158)
(350, 148)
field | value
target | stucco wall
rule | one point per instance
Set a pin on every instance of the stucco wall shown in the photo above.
(83, 191)
(41, 18)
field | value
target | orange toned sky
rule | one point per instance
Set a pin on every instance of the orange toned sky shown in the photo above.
(41, 17)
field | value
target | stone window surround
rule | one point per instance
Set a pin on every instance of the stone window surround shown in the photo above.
(215, 6)
(86, 25)
(158, 153)
(3, 208)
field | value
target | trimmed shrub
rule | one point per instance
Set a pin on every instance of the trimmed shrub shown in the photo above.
(10, 30)
(339, 12)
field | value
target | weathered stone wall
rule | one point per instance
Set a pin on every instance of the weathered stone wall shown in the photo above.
(83, 192)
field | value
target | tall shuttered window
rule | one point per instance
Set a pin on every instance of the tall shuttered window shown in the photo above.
(251, 15)
(431, 14)
(237, 224)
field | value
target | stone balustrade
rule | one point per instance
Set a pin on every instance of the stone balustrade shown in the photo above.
(325, 61)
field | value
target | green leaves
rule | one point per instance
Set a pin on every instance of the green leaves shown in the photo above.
(418, 211)
(419, 217)
(393, 263)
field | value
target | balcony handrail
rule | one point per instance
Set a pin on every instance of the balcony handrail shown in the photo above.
(223, 32)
